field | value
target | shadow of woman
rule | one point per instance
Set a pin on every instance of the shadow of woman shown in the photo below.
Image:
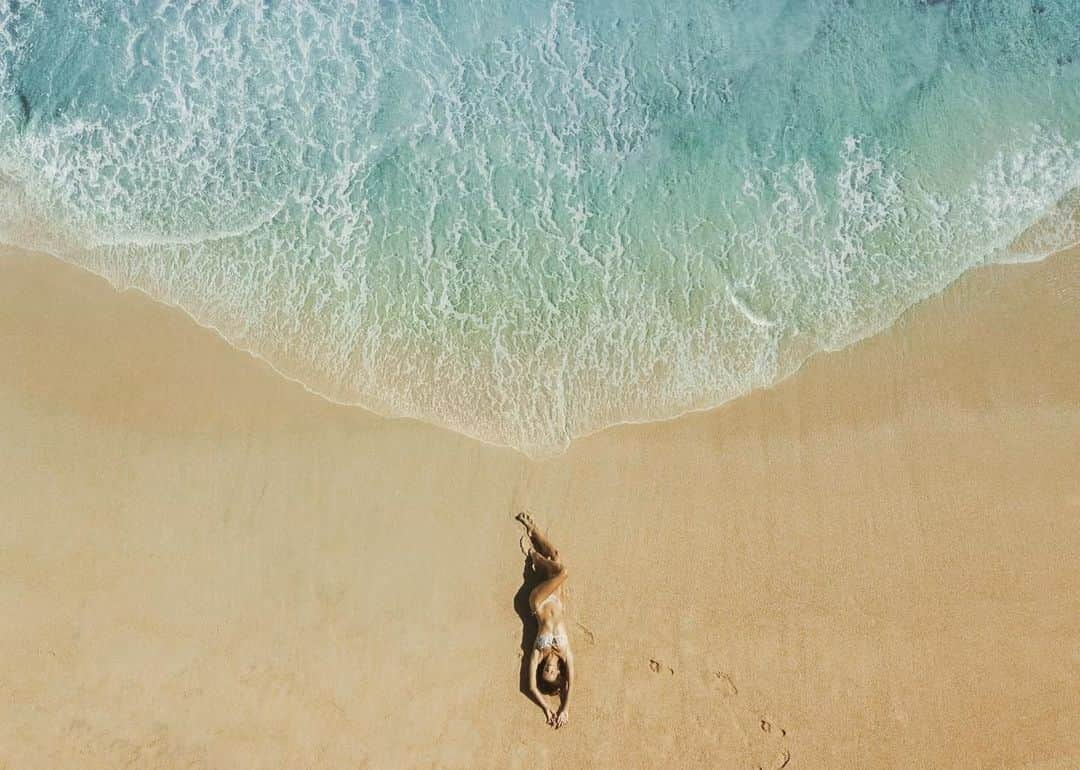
(529, 627)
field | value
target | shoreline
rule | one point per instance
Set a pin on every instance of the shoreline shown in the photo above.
(1073, 249)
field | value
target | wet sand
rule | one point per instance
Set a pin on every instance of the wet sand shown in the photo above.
(872, 565)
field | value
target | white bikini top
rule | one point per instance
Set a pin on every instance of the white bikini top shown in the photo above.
(551, 598)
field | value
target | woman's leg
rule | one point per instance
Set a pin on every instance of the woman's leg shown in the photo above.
(546, 558)
(539, 594)
(549, 567)
(539, 540)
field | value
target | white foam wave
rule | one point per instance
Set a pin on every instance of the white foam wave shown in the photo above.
(522, 226)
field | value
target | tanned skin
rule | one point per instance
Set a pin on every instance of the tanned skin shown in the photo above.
(555, 662)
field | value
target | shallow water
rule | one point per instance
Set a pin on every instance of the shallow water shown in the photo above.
(526, 221)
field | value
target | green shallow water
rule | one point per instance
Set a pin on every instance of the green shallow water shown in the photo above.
(527, 221)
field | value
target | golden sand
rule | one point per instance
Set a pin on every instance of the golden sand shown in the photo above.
(872, 565)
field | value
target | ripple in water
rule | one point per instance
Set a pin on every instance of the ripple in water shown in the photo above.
(527, 221)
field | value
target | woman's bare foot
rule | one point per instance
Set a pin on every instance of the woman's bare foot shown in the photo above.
(526, 520)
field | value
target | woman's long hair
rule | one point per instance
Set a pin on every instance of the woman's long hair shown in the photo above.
(551, 688)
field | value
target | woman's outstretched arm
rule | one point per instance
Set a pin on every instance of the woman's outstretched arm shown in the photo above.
(534, 661)
(562, 717)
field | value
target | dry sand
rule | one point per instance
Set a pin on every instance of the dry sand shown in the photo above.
(873, 565)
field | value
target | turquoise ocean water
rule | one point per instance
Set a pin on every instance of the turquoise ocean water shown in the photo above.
(528, 220)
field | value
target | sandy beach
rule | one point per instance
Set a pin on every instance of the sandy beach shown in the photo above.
(871, 565)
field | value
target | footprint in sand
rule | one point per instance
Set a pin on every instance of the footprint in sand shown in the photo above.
(727, 686)
(780, 762)
(775, 732)
(783, 756)
(589, 635)
(767, 727)
(656, 667)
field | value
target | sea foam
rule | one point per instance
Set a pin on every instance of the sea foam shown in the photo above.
(527, 221)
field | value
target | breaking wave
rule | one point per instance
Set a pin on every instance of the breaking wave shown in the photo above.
(527, 221)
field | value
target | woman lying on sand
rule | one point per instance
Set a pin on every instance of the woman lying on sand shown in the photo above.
(551, 650)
